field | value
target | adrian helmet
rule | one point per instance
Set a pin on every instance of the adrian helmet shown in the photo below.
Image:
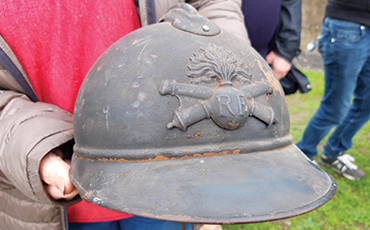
(183, 121)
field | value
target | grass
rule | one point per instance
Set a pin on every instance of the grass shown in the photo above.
(350, 206)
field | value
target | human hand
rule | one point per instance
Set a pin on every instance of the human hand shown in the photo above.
(278, 64)
(54, 172)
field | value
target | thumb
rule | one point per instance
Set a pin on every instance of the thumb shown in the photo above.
(54, 172)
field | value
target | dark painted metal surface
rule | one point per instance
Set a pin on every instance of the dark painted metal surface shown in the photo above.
(174, 124)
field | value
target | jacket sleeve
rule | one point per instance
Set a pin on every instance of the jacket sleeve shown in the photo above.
(288, 33)
(227, 14)
(28, 131)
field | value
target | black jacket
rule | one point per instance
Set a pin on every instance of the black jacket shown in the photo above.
(349, 10)
(288, 32)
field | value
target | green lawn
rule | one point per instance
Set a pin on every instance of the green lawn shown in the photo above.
(350, 206)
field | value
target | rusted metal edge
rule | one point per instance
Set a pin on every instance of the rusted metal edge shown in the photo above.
(196, 151)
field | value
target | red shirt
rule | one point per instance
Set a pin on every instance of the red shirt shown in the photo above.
(57, 42)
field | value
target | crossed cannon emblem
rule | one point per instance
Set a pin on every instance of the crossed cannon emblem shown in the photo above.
(229, 107)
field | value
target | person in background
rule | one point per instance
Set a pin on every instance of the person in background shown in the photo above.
(53, 44)
(345, 48)
(274, 29)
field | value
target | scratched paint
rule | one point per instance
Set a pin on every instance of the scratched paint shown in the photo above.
(140, 98)
(106, 112)
(270, 77)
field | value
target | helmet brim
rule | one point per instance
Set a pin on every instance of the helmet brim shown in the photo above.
(229, 189)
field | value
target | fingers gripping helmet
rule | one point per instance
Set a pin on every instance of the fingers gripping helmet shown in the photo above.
(183, 121)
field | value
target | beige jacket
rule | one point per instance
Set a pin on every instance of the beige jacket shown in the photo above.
(29, 130)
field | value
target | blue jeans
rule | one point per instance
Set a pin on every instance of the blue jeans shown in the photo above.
(133, 223)
(345, 49)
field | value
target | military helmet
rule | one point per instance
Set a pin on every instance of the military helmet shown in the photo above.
(183, 121)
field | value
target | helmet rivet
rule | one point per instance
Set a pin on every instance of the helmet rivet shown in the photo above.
(205, 28)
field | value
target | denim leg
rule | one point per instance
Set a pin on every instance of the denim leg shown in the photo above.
(357, 116)
(342, 48)
(133, 223)
(140, 223)
(111, 225)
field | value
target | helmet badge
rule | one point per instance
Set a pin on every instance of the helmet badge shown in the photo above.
(227, 105)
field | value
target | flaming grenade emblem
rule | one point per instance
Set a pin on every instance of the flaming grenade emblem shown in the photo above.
(229, 107)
